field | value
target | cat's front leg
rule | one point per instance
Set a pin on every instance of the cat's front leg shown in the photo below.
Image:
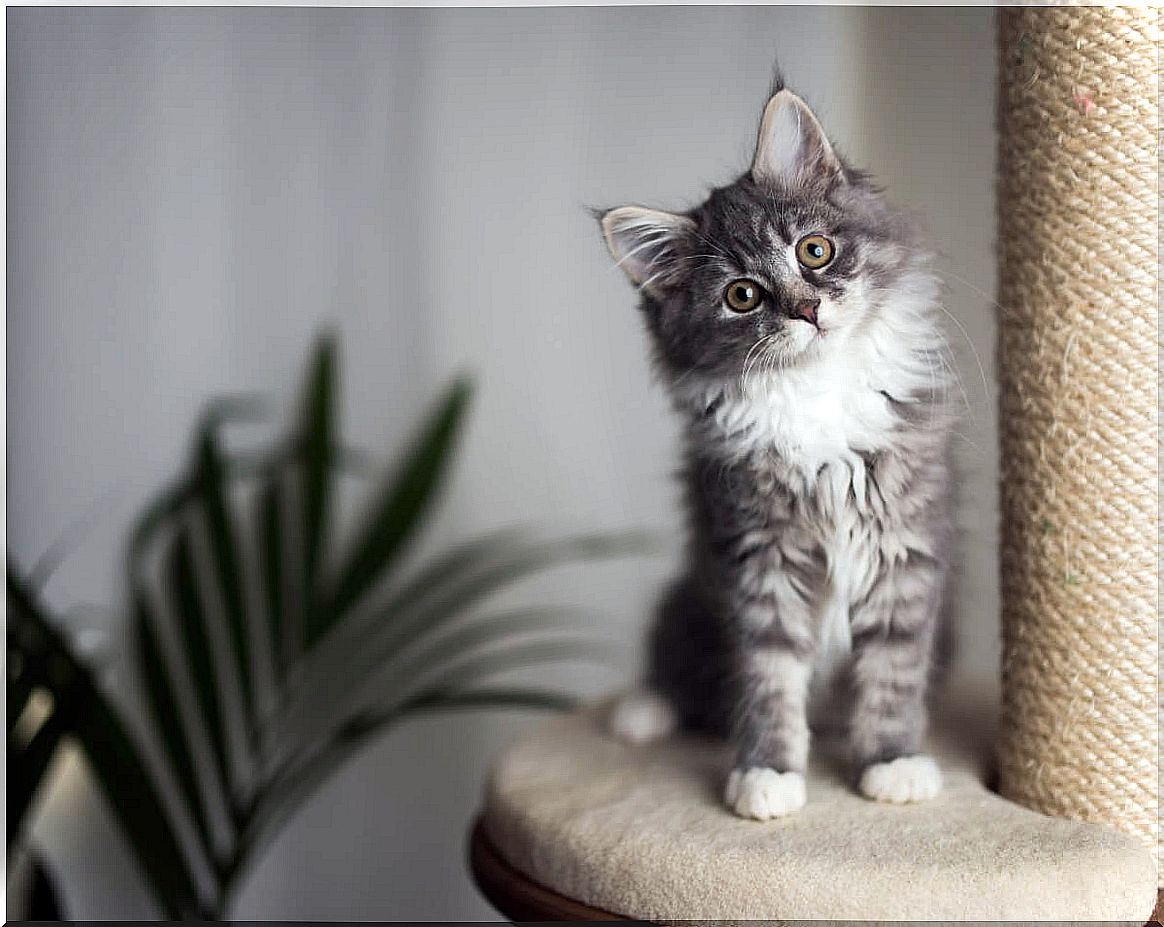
(766, 567)
(893, 635)
(772, 733)
(773, 669)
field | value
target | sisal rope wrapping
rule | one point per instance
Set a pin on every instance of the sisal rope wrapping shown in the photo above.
(1078, 360)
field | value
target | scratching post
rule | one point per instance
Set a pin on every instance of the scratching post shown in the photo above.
(1078, 352)
(578, 825)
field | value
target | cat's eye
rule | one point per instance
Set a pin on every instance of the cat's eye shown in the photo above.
(743, 295)
(814, 251)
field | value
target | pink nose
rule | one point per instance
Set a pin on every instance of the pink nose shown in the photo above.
(806, 309)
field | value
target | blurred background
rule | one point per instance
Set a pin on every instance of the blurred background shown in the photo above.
(193, 193)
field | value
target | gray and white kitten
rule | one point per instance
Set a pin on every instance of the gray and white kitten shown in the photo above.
(795, 323)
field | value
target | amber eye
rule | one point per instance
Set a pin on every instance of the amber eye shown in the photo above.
(814, 251)
(743, 295)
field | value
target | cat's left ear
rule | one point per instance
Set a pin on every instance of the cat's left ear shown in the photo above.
(646, 243)
(792, 149)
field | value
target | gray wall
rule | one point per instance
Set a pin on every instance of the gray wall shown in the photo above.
(191, 192)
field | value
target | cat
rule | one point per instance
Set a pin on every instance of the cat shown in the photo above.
(795, 322)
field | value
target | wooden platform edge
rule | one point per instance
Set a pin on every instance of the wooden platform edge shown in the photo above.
(516, 895)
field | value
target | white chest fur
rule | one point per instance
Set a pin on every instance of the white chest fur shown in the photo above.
(811, 417)
(820, 421)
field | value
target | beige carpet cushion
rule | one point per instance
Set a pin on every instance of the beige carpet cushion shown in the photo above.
(640, 831)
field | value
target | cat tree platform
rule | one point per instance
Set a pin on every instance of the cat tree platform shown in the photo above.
(579, 826)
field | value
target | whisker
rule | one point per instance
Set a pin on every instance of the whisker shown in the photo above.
(648, 242)
(958, 434)
(715, 246)
(970, 343)
(751, 359)
(947, 359)
(975, 289)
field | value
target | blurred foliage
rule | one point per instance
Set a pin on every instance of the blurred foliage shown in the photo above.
(269, 650)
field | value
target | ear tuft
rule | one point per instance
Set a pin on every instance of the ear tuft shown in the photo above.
(646, 243)
(792, 149)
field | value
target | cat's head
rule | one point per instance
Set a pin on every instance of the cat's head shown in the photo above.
(793, 261)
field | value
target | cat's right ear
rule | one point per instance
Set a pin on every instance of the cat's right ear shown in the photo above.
(646, 243)
(792, 148)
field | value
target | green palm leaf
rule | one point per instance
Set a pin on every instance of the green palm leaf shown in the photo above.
(213, 496)
(173, 498)
(351, 634)
(271, 550)
(400, 647)
(460, 669)
(181, 579)
(312, 720)
(434, 651)
(129, 789)
(395, 509)
(439, 594)
(317, 429)
(125, 781)
(160, 691)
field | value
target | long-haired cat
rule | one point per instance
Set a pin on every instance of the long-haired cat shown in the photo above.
(794, 321)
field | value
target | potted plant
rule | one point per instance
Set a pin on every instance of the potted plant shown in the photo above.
(245, 603)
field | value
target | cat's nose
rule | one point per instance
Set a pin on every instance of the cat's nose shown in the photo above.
(805, 309)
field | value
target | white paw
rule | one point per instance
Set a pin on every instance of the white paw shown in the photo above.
(763, 793)
(906, 779)
(641, 717)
